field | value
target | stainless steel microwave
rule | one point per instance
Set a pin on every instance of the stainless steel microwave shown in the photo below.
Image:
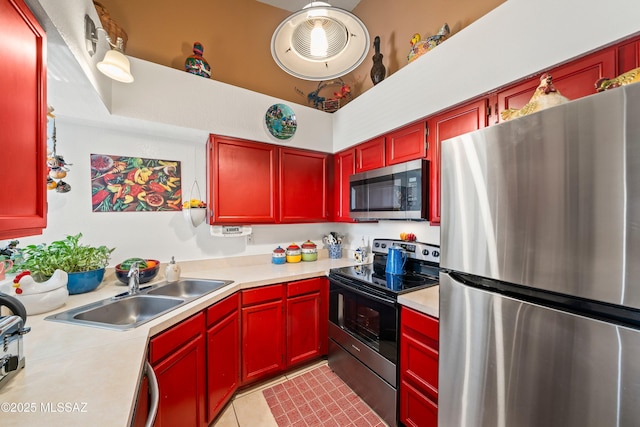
(393, 192)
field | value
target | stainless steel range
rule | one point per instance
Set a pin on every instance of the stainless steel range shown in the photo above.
(364, 320)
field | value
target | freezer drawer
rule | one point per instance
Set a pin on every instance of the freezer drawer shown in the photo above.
(506, 362)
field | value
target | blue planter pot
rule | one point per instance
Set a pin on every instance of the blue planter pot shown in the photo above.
(84, 281)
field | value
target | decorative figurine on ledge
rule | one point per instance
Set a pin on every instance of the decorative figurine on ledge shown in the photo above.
(629, 77)
(545, 96)
(378, 71)
(196, 64)
(419, 47)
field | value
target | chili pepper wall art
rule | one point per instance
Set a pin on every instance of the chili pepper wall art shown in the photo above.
(130, 184)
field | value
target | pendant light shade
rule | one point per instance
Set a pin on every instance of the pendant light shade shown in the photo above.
(320, 42)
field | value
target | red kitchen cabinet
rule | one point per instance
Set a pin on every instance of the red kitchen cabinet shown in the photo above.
(243, 181)
(406, 144)
(418, 369)
(23, 76)
(344, 167)
(307, 320)
(223, 353)
(263, 332)
(460, 120)
(574, 80)
(304, 183)
(628, 54)
(177, 356)
(370, 154)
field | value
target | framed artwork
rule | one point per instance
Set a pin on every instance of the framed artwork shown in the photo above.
(134, 184)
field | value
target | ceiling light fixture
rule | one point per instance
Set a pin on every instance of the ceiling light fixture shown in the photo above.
(320, 42)
(114, 65)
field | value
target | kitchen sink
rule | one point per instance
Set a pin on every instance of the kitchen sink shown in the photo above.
(124, 311)
(188, 288)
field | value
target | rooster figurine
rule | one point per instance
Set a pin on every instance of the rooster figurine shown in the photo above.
(629, 77)
(545, 96)
(419, 47)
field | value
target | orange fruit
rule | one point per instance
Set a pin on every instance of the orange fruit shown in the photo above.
(151, 263)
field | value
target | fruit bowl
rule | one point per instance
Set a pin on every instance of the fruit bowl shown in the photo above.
(146, 274)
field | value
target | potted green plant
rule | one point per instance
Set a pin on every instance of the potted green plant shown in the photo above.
(84, 264)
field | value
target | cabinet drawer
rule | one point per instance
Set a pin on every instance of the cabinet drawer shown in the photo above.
(303, 287)
(416, 409)
(262, 294)
(421, 323)
(222, 309)
(167, 341)
(419, 364)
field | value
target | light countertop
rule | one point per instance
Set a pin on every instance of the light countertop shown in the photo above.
(80, 375)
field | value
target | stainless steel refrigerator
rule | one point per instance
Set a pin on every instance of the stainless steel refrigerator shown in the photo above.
(540, 259)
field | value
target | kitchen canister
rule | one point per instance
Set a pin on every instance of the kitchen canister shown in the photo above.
(309, 251)
(279, 256)
(335, 250)
(294, 254)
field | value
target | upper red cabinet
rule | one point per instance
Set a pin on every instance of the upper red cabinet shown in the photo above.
(23, 75)
(573, 80)
(443, 126)
(256, 183)
(406, 144)
(344, 166)
(242, 181)
(304, 178)
(370, 154)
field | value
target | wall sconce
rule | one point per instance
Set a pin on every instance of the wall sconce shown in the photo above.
(114, 65)
(320, 42)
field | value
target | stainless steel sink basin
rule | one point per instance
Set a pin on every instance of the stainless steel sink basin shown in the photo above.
(125, 311)
(133, 310)
(188, 288)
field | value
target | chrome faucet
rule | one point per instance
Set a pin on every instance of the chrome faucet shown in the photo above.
(134, 279)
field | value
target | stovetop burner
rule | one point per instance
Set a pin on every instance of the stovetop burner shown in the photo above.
(422, 268)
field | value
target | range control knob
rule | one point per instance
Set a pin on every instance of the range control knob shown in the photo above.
(425, 252)
(376, 244)
(436, 254)
(384, 245)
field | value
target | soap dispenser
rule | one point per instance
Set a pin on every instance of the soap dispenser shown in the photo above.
(172, 272)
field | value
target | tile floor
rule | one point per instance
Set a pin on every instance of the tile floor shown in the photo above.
(250, 408)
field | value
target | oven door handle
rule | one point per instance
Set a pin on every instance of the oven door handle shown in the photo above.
(358, 291)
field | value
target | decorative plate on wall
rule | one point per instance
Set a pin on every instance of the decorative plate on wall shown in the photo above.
(281, 121)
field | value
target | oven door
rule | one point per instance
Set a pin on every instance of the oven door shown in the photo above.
(371, 318)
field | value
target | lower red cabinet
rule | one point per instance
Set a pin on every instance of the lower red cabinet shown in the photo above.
(418, 369)
(263, 327)
(223, 353)
(307, 320)
(177, 356)
(282, 326)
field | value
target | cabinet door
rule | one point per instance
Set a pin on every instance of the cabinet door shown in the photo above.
(406, 144)
(223, 353)
(307, 320)
(303, 186)
(181, 380)
(628, 56)
(574, 80)
(263, 342)
(418, 369)
(446, 125)
(416, 410)
(242, 181)
(344, 167)
(370, 154)
(23, 138)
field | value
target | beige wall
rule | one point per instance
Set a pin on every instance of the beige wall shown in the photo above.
(236, 36)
